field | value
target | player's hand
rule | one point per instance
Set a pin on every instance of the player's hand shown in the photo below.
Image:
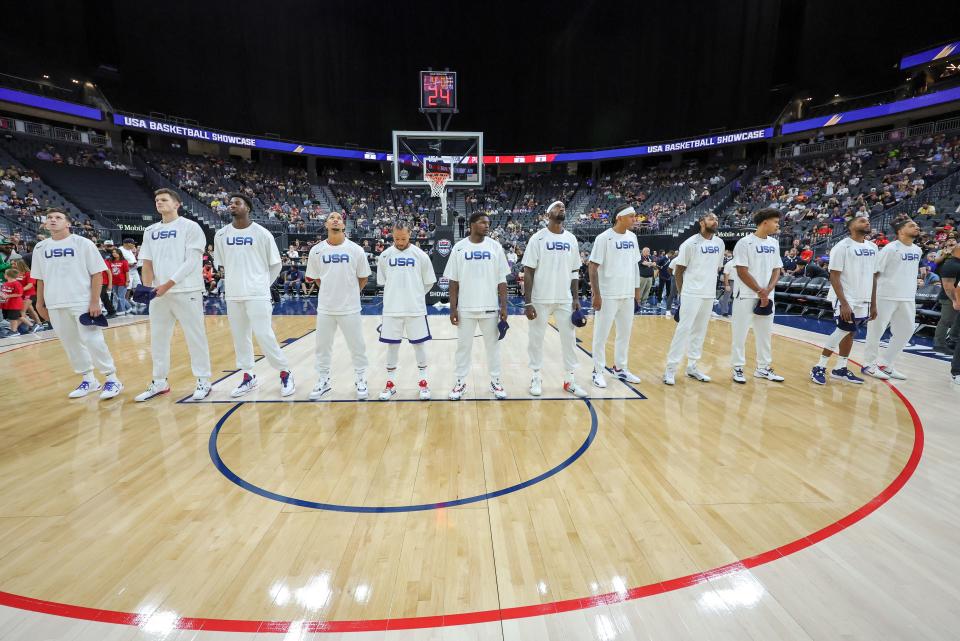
(764, 297)
(846, 313)
(597, 302)
(503, 313)
(454, 316)
(873, 312)
(576, 304)
(94, 309)
(530, 312)
(163, 289)
(727, 288)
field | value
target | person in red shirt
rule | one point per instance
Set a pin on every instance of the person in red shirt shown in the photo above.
(11, 295)
(29, 293)
(119, 271)
(806, 255)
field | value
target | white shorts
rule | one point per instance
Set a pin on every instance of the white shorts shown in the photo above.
(393, 329)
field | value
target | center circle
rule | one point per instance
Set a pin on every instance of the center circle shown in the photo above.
(316, 505)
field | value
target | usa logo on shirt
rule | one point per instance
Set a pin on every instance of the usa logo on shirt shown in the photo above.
(336, 258)
(402, 261)
(478, 255)
(160, 234)
(624, 244)
(59, 252)
(239, 240)
(765, 249)
(863, 251)
(709, 249)
(910, 257)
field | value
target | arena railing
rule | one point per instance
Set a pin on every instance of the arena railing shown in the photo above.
(900, 135)
(65, 135)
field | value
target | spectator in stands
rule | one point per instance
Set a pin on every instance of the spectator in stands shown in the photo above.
(292, 253)
(293, 279)
(927, 210)
(927, 277)
(806, 255)
(119, 270)
(817, 269)
(29, 285)
(208, 281)
(946, 335)
(648, 267)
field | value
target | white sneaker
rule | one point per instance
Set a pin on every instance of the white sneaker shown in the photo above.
(669, 378)
(156, 388)
(362, 392)
(248, 384)
(599, 380)
(571, 387)
(874, 371)
(203, 390)
(321, 388)
(892, 373)
(693, 372)
(498, 392)
(738, 376)
(85, 387)
(458, 389)
(536, 385)
(389, 391)
(424, 390)
(626, 375)
(111, 389)
(287, 386)
(767, 373)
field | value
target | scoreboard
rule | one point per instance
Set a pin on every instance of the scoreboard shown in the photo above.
(438, 91)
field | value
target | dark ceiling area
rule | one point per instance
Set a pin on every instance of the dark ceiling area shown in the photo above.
(534, 76)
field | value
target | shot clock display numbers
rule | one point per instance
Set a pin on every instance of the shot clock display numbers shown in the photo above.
(438, 91)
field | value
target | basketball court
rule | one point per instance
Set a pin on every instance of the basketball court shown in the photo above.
(640, 510)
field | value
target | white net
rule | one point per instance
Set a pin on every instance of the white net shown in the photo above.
(438, 189)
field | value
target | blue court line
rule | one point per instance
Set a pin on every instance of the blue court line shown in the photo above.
(609, 369)
(231, 372)
(250, 487)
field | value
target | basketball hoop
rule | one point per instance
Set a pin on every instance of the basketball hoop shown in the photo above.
(438, 189)
(438, 184)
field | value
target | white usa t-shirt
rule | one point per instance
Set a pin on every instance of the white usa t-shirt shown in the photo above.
(406, 277)
(478, 268)
(555, 259)
(65, 267)
(856, 263)
(166, 245)
(338, 268)
(703, 259)
(898, 266)
(619, 258)
(246, 255)
(760, 256)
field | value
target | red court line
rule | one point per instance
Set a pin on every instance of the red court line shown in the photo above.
(486, 616)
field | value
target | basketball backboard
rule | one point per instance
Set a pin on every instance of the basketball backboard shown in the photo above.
(417, 153)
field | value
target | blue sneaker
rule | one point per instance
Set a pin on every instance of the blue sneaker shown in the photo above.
(818, 375)
(845, 374)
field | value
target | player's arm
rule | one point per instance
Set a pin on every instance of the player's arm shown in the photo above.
(678, 270)
(528, 309)
(193, 258)
(502, 296)
(41, 305)
(594, 270)
(949, 288)
(454, 300)
(147, 276)
(575, 290)
(873, 297)
(846, 313)
(96, 284)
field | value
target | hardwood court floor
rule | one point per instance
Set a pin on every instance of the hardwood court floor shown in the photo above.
(117, 505)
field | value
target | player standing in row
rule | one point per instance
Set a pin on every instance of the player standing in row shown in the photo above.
(477, 270)
(69, 274)
(551, 273)
(172, 255)
(853, 291)
(897, 266)
(251, 262)
(406, 274)
(615, 282)
(756, 259)
(340, 266)
(695, 272)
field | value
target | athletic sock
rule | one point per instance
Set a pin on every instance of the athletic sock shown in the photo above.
(841, 362)
(391, 373)
(824, 360)
(112, 377)
(90, 377)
